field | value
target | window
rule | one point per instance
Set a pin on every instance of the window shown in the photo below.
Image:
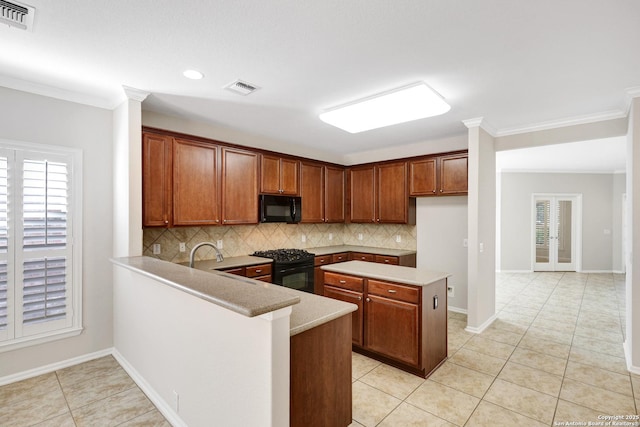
(40, 251)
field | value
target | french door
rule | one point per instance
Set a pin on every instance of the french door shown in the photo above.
(555, 232)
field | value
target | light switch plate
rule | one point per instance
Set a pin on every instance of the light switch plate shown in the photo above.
(156, 248)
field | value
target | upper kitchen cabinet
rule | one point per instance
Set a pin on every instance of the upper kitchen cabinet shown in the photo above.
(439, 175)
(279, 175)
(454, 174)
(322, 192)
(156, 180)
(239, 186)
(379, 194)
(195, 183)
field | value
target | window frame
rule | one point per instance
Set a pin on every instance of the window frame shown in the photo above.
(16, 151)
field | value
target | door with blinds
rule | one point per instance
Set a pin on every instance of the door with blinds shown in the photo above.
(554, 232)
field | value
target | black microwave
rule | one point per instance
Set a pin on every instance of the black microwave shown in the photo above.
(280, 209)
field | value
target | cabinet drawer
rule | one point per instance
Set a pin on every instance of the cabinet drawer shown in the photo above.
(359, 256)
(344, 256)
(344, 281)
(259, 270)
(322, 260)
(384, 259)
(394, 291)
(264, 278)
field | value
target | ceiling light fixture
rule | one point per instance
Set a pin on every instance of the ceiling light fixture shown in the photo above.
(401, 105)
(193, 74)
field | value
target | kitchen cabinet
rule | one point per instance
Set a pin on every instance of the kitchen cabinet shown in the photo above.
(318, 274)
(340, 257)
(393, 324)
(278, 175)
(379, 194)
(156, 180)
(239, 186)
(322, 192)
(195, 183)
(260, 272)
(439, 175)
(400, 324)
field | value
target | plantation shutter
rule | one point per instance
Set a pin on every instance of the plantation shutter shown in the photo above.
(4, 244)
(45, 256)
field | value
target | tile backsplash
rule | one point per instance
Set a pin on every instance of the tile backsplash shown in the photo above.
(245, 239)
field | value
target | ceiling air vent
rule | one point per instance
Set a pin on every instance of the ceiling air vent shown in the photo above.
(17, 15)
(241, 87)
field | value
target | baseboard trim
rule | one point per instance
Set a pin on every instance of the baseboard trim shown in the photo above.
(597, 271)
(41, 370)
(514, 271)
(627, 356)
(457, 310)
(481, 328)
(165, 409)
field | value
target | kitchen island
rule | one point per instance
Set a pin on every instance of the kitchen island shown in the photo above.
(402, 312)
(211, 348)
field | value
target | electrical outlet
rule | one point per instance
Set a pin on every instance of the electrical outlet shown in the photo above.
(176, 401)
(451, 291)
(359, 236)
(304, 238)
(219, 244)
(183, 247)
(398, 238)
(465, 243)
(330, 236)
(481, 247)
(156, 248)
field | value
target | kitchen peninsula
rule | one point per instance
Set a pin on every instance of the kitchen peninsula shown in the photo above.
(218, 349)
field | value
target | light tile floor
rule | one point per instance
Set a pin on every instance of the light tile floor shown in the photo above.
(553, 355)
(93, 394)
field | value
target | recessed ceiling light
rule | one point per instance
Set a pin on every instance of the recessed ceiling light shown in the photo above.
(193, 74)
(405, 104)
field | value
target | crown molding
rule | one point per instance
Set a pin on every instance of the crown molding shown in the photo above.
(573, 121)
(481, 123)
(135, 94)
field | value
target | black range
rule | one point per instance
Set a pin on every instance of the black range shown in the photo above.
(292, 268)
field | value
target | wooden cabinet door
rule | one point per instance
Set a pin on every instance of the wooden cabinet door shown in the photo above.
(333, 194)
(356, 316)
(392, 329)
(362, 194)
(239, 186)
(454, 174)
(156, 180)
(195, 183)
(392, 196)
(278, 175)
(289, 177)
(311, 192)
(423, 177)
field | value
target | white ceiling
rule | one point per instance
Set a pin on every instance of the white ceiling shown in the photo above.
(517, 64)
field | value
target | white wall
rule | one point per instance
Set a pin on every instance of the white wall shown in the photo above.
(617, 241)
(597, 216)
(441, 228)
(43, 120)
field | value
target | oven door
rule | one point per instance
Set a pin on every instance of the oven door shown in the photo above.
(295, 277)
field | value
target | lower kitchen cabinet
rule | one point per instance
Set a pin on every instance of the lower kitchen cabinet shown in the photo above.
(260, 272)
(399, 324)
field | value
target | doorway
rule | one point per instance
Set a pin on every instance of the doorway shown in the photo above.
(556, 232)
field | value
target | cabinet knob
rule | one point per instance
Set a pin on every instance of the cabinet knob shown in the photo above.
(359, 298)
(441, 190)
(321, 261)
(433, 191)
(386, 261)
(368, 300)
(166, 221)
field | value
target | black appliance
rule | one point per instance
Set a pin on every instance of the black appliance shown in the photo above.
(280, 209)
(292, 268)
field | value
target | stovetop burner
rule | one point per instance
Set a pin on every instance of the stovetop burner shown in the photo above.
(285, 255)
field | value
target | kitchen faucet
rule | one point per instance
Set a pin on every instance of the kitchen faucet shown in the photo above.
(219, 257)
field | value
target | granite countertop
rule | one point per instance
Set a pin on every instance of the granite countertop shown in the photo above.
(392, 273)
(229, 262)
(328, 250)
(240, 294)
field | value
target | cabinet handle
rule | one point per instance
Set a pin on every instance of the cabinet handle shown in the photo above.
(386, 260)
(258, 271)
(342, 282)
(321, 261)
(435, 302)
(392, 291)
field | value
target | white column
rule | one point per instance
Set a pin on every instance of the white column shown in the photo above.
(127, 172)
(632, 342)
(481, 228)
